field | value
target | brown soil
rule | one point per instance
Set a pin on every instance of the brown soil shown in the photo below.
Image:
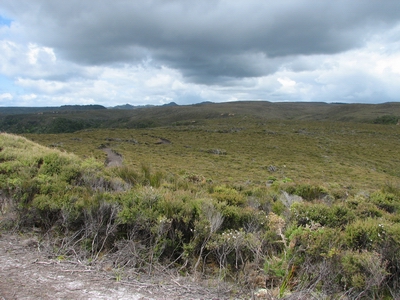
(29, 271)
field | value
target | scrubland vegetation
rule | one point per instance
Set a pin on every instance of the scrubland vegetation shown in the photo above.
(303, 208)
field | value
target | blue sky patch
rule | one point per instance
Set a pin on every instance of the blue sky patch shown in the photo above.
(8, 86)
(5, 21)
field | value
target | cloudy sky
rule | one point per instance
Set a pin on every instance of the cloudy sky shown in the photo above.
(57, 52)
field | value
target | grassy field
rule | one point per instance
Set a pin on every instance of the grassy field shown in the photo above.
(239, 150)
(304, 204)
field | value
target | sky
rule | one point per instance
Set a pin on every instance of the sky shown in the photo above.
(114, 52)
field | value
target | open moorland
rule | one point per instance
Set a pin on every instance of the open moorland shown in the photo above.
(288, 200)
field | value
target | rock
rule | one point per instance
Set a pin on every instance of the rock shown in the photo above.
(264, 294)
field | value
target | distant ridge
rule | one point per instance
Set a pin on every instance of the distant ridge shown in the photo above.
(204, 103)
(82, 107)
(74, 118)
(129, 106)
(29, 110)
(170, 104)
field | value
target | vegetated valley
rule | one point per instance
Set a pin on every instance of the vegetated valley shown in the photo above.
(300, 200)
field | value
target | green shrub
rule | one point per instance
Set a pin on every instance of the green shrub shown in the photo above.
(316, 243)
(53, 164)
(277, 268)
(388, 248)
(309, 192)
(386, 119)
(366, 210)
(228, 195)
(71, 173)
(386, 201)
(304, 213)
(278, 207)
(45, 202)
(363, 273)
(236, 217)
(363, 234)
(138, 207)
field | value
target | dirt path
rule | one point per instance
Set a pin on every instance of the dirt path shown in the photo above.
(29, 272)
(114, 159)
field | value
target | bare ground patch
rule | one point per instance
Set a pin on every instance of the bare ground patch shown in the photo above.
(29, 271)
(113, 159)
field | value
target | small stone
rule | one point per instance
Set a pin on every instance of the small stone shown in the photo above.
(264, 294)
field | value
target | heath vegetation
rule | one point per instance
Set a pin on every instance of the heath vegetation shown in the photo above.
(303, 208)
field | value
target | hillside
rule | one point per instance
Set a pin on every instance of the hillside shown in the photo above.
(37, 110)
(300, 207)
(73, 120)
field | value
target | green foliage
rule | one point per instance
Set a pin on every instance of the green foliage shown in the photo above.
(235, 217)
(364, 208)
(53, 164)
(228, 195)
(64, 125)
(387, 119)
(364, 234)
(386, 201)
(278, 207)
(128, 174)
(317, 242)
(307, 192)
(276, 267)
(364, 271)
(139, 207)
(337, 215)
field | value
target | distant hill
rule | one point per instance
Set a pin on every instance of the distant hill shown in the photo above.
(129, 106)
(30, 110)
(74, 118)
(170, 104)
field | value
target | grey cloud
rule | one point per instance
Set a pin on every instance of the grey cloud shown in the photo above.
(208, 41)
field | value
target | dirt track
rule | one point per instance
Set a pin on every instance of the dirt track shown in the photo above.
(29, 272)
(114, 159)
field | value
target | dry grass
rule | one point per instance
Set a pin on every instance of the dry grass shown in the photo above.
(353, 155)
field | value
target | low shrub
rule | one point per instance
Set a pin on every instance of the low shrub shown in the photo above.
(309, 192)
(364, 234)
(364, 273)
(386, 201)
(51, 164)
(228, 195)
(386, 119)
(305, 214)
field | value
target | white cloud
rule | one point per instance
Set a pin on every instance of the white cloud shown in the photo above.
(5, 96)
(156, 52)
(46, 87)
(159, 80)
(29, 97)
(41, 54)
(288, 85)
(355, 76)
